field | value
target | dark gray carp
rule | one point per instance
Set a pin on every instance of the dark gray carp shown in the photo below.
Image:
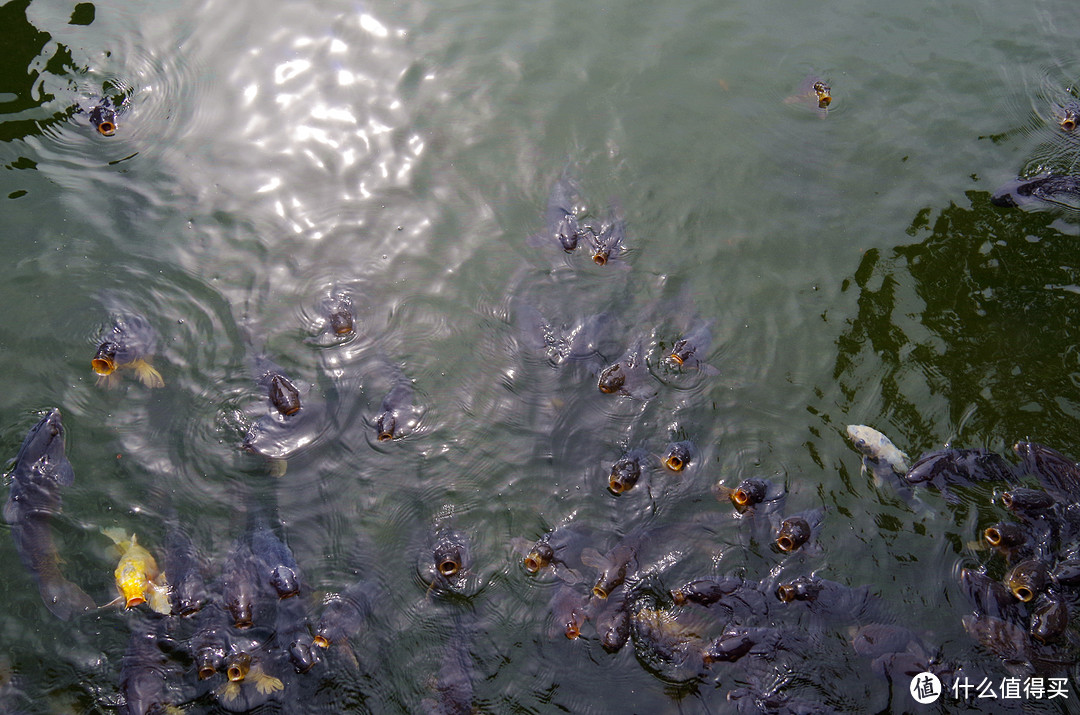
(1055, 189)
(41, 470)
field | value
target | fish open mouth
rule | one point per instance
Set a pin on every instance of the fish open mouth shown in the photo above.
(106, 129)
(134, 601)
(532, 563)
(1023, 593)
(993, 536)
(207, 671)
(103, 365)
(321, 641)
(599, 259)
(674, 463)
(449, 567)
(675, 358)
(616, 486)
(572, 631)
(741, 498)
(786, 543)
(599, 592)
(385, 436)
(785, 593)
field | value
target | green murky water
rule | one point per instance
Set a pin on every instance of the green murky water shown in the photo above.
(849, 264)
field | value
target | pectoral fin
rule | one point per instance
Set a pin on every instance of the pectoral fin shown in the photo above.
(147, 374)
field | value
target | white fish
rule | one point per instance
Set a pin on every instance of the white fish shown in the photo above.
(880, 455)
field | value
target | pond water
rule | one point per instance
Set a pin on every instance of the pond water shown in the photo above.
(268, 157)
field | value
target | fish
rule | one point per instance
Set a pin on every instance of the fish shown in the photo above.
(1039, 191)
(689, 350)
(626, 471)
(568, 611)
(881, 457)
(667, 644)
(560, 549)
(813, 91)
(628, 375)
(102, 114)
(344, 614)
(450, 555)
(1028, 579)
(283, 394)
(561, 222)
(1066, 573)
(737, 641)
(585, 340)
(613, 621)
(740, 599)
(143, 673)
(339, 315)
(946, 467)
(454, 683)
(183, 572)
(138, 579)
(753, 494)
(988, 596)
(1028, 504)
(40, 471)
(830, 600)
(1003, 638)
(240, 582)
(1049, 617)
(274, 559)
(131, 342)
(705, 591)
(1068, 115)
(679, 455)
(796, 530)
(209, 643)
(249, 685)
(610, 242)
(1056, 473)
(614, 566)
(389, 423)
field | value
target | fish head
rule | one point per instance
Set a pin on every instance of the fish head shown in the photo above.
(748, 493)
(794, 532)
(303, 656)
(1069, 116)
(132, 582)
(103, 117)
(1004, 535)
(43, 449)
(1027, 579)
(385, 424)
(798, 589)
(208, 659)
(681, 351)
(823, 92)
(341, 321)
(237, 666)
(104, 362)
(624, 475)
(540, 556)
(449, 559)
(677, 456)
(240, 607)
(285, 581)
(612, 379)
(284, 395)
